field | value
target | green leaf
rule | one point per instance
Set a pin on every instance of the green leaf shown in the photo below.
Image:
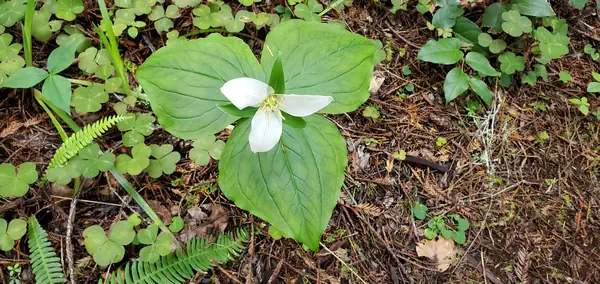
(443, 51)
(293, 121)
(530, 78)
(137, 126)
(25, 78)
(91, 162)
(177, 224)
(446, 16)
(296, 185)
(429, 233)
(163, 25)
(510, 63)
(565, 77)
(148, 235)
(578, 4)
(13, 184)
(497, 46)
(202, 19)
(89, 99)
(61, 58)
(468, 32)
(492, 17)
(205, 147)
(484, 39)
(94, 238)
(12, 12)
(57, 89)
(515, 24)
(540, 71)
(277, 80)
(535, 8)
(233, 110)
(108, 253)
(462, 224)
(122, 233)
(137, 163)
(308, 11)
(482, 90)
(596, 76)
(184, 94)
(63, 175)
(187, 3)
(41, 27)
(347, 57)
(419, 211)
(552, 45)
(371, 111)
(456, 83)
(16, 229)
(460, 237)
(134, 219)
(481, 64)
(68, 9)
(593, 87)
(165, 160)
(91, 58)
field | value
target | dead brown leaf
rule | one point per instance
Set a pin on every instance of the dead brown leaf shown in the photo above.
(441, 251)
(198, 222)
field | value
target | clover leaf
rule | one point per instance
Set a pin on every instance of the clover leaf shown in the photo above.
(10, 61)
(249, 2)
(594, 87)
(176, 225)
(309, 11)
(565, 77)
(530, 78)
(510, 63)
(484, 39)
(91, 58)
(157, 247)
(137, 126)
(68, 9)
(165, 160)
(91, 162)
(106, 250)
(419, 211)
(112, 85)
(552, 45)
(11, 12)
(497, 46)
(41, 26)
(63, 175)
(89, 99)
(10, 232)
(75, 37)
(137, 163)
(13, 184)
(161, 20)
(143, 7)
(515, 24)
(206, 147)
(202, 19)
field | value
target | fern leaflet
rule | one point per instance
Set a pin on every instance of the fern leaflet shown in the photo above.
(44, 263)
(200, 255)
(82, 138)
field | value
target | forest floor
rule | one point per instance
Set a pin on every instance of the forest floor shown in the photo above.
(534, 207)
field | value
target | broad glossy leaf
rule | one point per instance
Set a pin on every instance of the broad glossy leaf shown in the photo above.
(183, 83)
(25, 78)
(57, 89)
(446, 16)
(296, 185)
(482, 89)
(442, 51)
(536, 8)
(492, 17)
(468, 32)
(321, 59)
(456, 83)
(481, 64)
(578, 4)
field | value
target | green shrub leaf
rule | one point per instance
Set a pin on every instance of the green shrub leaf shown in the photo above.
(57, 89)
(482, 90)
(456, 83)
(536, 8)
(294, 186)
(25, 78)
(443, 51)
(446, 16)
(481, 64)
(492, 17)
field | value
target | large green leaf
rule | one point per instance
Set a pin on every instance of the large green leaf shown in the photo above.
(446, 16)
(57, 89)
(467, 31)
(320, 59)
(456, 83)
(296, 185)
(481, 64)
(536, 8)
(492, 17)
(183, 83)
(25, 78)
(443, 51)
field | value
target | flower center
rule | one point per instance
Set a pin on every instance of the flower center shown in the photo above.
(271, 103)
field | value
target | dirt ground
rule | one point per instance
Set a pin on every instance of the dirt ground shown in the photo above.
(534, 208)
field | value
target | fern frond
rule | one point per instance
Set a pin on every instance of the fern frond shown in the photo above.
(80, 139)
(199, 255)
(44, 263)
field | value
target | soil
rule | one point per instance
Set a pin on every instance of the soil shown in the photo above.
(534, 208)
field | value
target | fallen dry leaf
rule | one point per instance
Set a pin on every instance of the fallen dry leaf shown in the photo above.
(199, 224)
(441, 251)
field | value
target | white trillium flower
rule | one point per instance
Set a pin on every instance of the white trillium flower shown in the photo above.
(267, 123)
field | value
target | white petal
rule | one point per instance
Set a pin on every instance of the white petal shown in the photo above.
(304, 105)
(245, 92)
(265, 132)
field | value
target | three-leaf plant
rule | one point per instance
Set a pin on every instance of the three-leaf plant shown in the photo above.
(106, 250)
(10, 232)
(156, 246)
(13, 184)
(295, 185)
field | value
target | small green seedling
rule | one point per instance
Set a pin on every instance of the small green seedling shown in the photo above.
(156, 246)
(139, 160)
(10, 232)
(13, 184)
(441, 141)
(136, 127)
(437, 226)
(371, 111)
(206, 147)
(541, 137)
(594, 87)
(106, 250)
(91, 162)
(419, 211)
(399, 155)
(176, 225)
(406, 70)
(164, 160)
(15, 274)
(591, 51)
(565, 77)
(584, 105)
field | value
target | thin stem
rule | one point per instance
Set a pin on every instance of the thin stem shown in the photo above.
(331, 7)
(80, 82)
(27, 45)
(197, 32)
(39, 97)
(63, 115)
